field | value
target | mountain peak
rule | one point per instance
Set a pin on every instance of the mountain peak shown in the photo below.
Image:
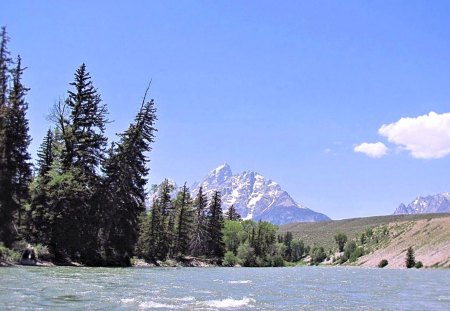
(223, 169)
(438, 203)
(255, 197)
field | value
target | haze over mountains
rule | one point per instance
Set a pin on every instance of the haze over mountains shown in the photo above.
(256, 197)
(438, 203)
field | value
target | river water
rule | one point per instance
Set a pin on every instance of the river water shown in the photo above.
(299, 288)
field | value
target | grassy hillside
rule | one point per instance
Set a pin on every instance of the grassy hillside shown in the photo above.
(322, 233)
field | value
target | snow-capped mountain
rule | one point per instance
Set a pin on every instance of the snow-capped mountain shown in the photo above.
(439, 203)
(255, 197)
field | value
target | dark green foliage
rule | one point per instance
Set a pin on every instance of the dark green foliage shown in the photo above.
(383, 263)
(288, 237)
(298, 250)
(125, 178)
(215, 220)
(340, 239)
(199, 236)
(15, 168)
(183, 205)
(232, 214)
(418, 265)
(410, 260)
(318, 255)
(349, 248)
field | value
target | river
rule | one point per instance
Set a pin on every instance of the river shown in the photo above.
(299, 288)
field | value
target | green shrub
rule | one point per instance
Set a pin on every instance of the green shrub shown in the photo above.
(350, 247)
(43, 253)
(230, 259)
(277, 261)
(358, 252)
(418, 265)
(9, 255)
(318, 255)
(383, 263)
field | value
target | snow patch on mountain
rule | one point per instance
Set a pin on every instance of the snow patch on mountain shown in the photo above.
(255, 197)
(439, 203)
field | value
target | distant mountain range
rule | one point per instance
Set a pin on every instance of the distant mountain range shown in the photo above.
(255, 197)
(439, 203)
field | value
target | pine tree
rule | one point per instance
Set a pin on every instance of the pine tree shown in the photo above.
(216, 247)
(166, 238)
(19, 138)
(410, 259)
(80, 121)
(15, 168)
(185, 221)
(232, 214)
(199, 236)
(126, 170)
(88, 116)
(7, 204)
(39, 215)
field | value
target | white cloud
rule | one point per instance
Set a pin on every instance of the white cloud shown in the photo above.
(425, 137)
(374, 150)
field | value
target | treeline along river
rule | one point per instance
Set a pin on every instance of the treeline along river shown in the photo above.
(299, 288)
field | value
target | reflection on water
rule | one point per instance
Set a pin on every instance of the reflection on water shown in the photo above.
(302, 288)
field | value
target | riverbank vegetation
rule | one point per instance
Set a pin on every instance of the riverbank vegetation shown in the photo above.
(84, 200)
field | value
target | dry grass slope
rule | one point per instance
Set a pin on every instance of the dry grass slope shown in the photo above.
(428, 234)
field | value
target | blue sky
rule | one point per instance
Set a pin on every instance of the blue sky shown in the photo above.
(289, 89)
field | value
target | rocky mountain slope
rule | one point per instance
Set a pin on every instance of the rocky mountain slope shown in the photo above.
(256, 197)
(439, 203)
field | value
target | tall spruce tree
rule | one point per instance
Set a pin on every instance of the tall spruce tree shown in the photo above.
(19, 139)
(15, 168)
(199, 236)
(81, 141)
(7, 208)
(39, 217)
(216, 246)
(185, 221)
(126, 170)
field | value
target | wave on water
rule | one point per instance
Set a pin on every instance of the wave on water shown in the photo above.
(240, 282)
(127, 300)
(230, 303)
(156, 305)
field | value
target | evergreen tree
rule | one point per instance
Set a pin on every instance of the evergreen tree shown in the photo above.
(19, 139)
(86, 140)
(126, 170)
(167, 223)
(39, 215)
(155, 234)
(216, 246)
(7, 206)
(340, 239)
(410, 260)
(232, 214)
(15, 168)
(75, 177)
(288, 243)
(200, 233)
(185, 221)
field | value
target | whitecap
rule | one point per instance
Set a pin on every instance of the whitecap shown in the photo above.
(127, 300)
(240, 282)
(156, 305)
(185, 299)
(230, 303)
